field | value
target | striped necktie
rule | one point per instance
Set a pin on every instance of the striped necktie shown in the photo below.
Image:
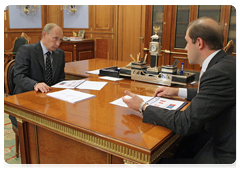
(48, 69)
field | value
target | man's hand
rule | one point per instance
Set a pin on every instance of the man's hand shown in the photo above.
(168, 91)
(42, 87)
(134, 102)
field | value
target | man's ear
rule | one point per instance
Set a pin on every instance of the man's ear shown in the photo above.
(43, 34)
(201, 43)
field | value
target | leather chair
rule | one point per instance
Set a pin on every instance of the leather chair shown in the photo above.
(9, 87)
(8, 78)
(19, 41)
(229, 47)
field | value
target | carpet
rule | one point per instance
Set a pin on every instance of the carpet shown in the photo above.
(9, 143)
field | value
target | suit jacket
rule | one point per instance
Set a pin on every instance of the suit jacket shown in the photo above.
(29, 67)
(213, 110)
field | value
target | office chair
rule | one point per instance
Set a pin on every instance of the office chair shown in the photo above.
(229, 47)
(18, 41)
(9, 87)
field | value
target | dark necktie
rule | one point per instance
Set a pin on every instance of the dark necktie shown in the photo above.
(48, 69)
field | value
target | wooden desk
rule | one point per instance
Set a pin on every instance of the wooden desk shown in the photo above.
(78, 50)
(91, 131)
(77, 70)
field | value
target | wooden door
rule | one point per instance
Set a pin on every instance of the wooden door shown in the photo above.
(131, 28)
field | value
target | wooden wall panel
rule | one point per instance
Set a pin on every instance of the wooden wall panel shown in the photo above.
(103, 46)
(34, 34)
(55, 15)
(129, 31)
(102, 17)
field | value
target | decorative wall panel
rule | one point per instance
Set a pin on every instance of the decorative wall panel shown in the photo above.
(18, 19)
(77, 20)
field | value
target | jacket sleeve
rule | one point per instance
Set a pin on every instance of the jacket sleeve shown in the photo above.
(22, 70)
(213, 99)
(191, 93)
(62, 72)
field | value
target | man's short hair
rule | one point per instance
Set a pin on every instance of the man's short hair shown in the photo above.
(48, 27)
(212, 34)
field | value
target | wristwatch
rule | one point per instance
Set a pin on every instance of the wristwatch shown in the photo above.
(141, 107)
(34, 85)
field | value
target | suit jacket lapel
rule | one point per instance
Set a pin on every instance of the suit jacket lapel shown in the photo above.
(39, 55)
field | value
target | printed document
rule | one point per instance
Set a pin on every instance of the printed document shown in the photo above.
(155, 101)
(80, 84)
(72, 84)
(92, 85)
(71, 96)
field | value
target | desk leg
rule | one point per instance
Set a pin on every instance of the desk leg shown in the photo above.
(23, 141)
(109, 158)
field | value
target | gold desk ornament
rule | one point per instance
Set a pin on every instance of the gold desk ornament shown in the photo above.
(74, 34)
(22, 35)
(156, 29)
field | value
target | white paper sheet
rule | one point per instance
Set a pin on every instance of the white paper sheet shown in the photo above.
(154, 101)
(111, 78)
(92, 85)
(71, 96)
(80, 84)
(71, 84)
(120, 102)
(96, 72)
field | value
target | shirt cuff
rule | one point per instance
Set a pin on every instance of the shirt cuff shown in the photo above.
(182, 93)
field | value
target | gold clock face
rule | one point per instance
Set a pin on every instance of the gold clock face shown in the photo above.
(153, 47)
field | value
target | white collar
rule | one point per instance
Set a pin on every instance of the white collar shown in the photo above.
(207, 60)
(44, 48)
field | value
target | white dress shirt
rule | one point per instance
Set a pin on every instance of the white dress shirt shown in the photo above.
(183, 91)
(45, 55)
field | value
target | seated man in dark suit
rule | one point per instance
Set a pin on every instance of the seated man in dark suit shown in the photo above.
(40, 65)
(213, 105)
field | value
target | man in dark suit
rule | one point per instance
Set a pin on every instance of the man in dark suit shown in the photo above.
(213, 106)
(30, 63)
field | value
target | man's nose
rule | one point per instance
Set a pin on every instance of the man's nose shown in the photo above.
(58, 42)
(185, 48)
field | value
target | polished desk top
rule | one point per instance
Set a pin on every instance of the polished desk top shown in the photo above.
(97, 116)
(78, 68)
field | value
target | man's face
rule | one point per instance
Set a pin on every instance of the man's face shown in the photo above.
(192, 50)
(52, 40)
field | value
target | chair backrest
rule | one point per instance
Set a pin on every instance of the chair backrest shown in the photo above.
(229, 47)
(19, 41)
(8, 78)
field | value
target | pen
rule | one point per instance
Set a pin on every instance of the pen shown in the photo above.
(132, 58)
(137, 57)
(174, 62)
(181, 70)
(145, 58)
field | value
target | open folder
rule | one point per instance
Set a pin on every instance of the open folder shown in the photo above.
(72, 84)
(80, 84)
